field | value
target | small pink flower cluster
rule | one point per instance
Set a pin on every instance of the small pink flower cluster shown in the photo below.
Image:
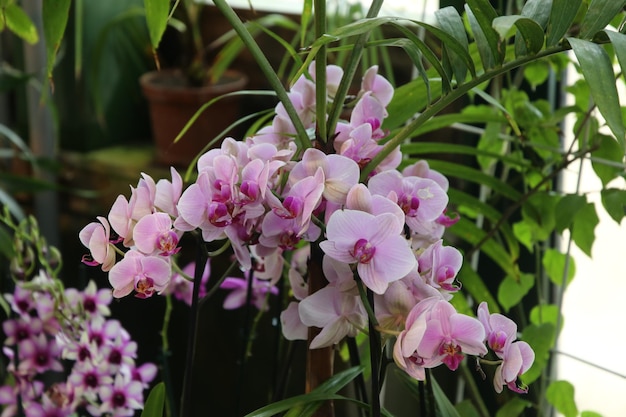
(50, 327)
(271, 201)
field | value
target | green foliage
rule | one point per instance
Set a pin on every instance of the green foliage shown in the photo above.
(561, 395)
(513, 289)
(156, 402)
(541, 337)
(513, 408)
(560, 267)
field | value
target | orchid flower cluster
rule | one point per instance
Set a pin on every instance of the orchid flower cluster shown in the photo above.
(52, 325)
(273, 203)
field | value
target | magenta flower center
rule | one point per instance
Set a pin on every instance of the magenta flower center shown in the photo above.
(409, 204)
(497, 340)
(91, 380)
(144, 287)
(218, 214)
(363, 251)
(89, 305)
(293, 206)
(250, 190)
(118, 399)
(452, 355)
(167, 243)
(115, 357)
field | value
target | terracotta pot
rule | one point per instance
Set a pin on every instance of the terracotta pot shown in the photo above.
(172, 104)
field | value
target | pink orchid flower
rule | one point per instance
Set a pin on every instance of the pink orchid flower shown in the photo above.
(168, 193)
(449, 335)
(96, 236)
(337, 313)
(153, 235)
(377, 85)
(374, 243)
(421, 199)
(340, 173)
(145, 274)
(439, 266)
(517, 358)
(239, 292)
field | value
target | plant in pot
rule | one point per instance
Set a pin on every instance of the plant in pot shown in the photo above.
(186, 82)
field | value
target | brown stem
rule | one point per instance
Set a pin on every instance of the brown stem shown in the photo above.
(319, 362)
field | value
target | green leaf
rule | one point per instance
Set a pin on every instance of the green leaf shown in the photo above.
(474, 175)
(608, 159)
(567, 207)
(530, 30)
(157, 13)
(55, 16)
(19, 23)
(541, 339)
(583, 228)
(482, 44)
(324, 392)
(561, 395)
(599, 14)
(476, 287)
(444, 405)
(614, 202)
(512, 290)
(450, 21)
(513, 408)
(619, 45)
(597, 69)
(561, 18)
(482, 14)
(469, 232)
(409, 99)
(6, 244)
(590, 414)
(155, 402)
(555, 263)
(545, 313)
(536, 73)
(466, 409)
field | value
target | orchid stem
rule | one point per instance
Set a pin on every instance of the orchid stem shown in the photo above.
(165, 351)
(375, 350)
(201, 260)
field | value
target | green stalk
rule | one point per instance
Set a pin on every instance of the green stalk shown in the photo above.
(446, 100)
(302, 138)
(350, 70)
(320, 72)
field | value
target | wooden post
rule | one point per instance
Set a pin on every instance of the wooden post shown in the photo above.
(319, 362)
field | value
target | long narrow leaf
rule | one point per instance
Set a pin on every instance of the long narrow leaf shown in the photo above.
(157, 12)
(425, 148)
(599, 14)
(475, 286)
(19, 23)
(409, 100)
(155, 402)
(429, 55)
(561, 18)
(474, 175)
(531, 32)
(55, 15)
(619, 43)
(468, 231)
(450, 21)
(597, 69)
(443, 403)
(482, 14)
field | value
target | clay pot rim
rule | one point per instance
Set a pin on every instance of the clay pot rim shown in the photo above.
(152, 83)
